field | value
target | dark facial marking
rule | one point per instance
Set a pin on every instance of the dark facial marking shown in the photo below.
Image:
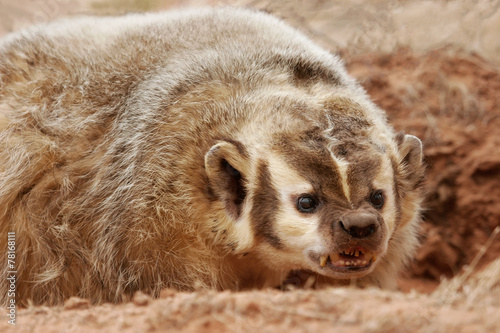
(363, 169)
(265, 207)
(235, 186)
(396, 188)
(310, 158)
(240, 146)
(347, 118)
(306, 71)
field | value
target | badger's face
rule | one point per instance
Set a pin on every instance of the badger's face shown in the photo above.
(328, 201)
(335, 214)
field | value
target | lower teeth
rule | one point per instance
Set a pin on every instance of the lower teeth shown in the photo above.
(336, 261)
(355, 263)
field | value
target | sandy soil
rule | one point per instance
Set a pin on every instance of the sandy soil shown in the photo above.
(460, 305)
(442, 87)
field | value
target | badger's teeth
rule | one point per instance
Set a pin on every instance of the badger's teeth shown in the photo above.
(336, 259)
(323, 260)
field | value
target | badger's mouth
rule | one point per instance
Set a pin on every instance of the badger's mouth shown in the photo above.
(351, 258)
(352, 262)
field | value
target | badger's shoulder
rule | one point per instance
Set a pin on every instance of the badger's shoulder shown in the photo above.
(212, 147)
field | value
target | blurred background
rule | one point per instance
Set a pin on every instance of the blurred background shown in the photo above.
(359, 25)
(434, 66)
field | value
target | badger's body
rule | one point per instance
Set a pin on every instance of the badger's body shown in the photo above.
(215, 148)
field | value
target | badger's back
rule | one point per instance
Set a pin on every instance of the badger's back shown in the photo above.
(105, 124)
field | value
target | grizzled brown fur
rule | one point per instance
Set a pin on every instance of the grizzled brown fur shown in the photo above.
(172, 149)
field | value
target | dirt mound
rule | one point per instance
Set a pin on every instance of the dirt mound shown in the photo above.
(451, 101)
(461, 305)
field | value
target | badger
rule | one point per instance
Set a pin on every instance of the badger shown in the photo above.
(209, 148)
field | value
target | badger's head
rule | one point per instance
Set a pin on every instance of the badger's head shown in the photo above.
(336, 193)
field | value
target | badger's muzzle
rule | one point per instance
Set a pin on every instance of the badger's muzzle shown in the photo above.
(359, 225)
(356, 238)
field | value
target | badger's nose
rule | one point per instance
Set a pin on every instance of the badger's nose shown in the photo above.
(359, 225)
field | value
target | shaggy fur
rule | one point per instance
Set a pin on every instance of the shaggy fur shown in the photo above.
(166, 150)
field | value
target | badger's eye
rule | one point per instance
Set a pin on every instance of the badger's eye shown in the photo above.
(306, 203)
(377, 199)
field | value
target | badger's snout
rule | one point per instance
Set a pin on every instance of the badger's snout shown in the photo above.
(362, 228)
(356, 238)
(359, 225)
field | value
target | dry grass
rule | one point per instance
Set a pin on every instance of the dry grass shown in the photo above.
(472, 287)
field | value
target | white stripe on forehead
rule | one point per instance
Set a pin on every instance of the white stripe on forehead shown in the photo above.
(342, 166)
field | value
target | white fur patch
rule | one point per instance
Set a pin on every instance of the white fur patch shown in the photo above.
(298, 231)
(342, 166)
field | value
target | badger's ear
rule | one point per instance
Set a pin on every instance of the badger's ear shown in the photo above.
(227, 166)
(411, 160)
